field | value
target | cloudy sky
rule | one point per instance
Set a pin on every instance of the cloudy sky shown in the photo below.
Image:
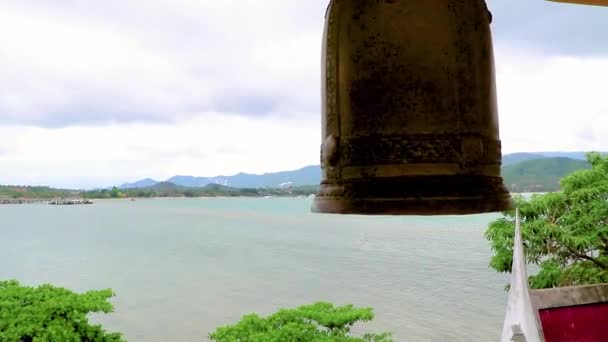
(96, 93)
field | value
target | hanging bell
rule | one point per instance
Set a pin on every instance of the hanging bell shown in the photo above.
(410, 122)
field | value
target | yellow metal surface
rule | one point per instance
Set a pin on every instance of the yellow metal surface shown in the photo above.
(584, 2)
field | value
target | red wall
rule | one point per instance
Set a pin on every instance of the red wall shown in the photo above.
(583, 323)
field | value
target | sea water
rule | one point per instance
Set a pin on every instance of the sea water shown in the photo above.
(182, 267)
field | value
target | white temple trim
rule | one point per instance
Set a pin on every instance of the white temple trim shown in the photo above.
(520, 320)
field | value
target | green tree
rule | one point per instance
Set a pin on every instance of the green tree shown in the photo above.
(564, 233)
(48, 313)
(319, 322)
(116, 193)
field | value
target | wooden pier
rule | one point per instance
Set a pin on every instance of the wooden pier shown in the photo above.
(22, 201)
(62, 201)
(70, 202)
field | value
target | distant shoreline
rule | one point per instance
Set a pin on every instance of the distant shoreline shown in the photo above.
(54, 201)
(9, 201)
(23, 201)
(14, 201)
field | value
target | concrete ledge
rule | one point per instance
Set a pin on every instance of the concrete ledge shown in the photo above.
(569, 296)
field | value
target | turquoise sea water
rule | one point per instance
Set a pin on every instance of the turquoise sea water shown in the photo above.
(181, 267)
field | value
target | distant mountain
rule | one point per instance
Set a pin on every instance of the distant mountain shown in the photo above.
(163, 186)
(144, 183)
(311, 175)
(304, 176)
(572, 155)
(189, 181)
(513, 158)
(540, 175)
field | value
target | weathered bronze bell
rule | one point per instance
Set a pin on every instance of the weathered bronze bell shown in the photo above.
(410, 122)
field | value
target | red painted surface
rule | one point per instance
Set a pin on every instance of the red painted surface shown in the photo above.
(582, 323)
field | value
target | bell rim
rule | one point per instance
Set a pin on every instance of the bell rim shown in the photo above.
(412, 206)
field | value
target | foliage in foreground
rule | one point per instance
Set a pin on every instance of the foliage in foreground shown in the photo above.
(564, 233)
(318, 322)
(48, 313)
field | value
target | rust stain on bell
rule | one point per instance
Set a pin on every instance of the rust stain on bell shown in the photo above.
(410, 122)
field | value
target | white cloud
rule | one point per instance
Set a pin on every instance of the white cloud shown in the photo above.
(552, 102)
(102, 156)
(153, 60)
(99, 93)
(72, 69)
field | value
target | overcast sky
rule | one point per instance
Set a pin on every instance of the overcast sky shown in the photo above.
(96, 93)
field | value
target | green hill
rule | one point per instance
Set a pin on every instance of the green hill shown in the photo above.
(515, 158)
(37, 192)
(539, 175)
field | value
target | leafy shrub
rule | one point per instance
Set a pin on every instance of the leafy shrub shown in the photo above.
(320, 322)
(48, 313)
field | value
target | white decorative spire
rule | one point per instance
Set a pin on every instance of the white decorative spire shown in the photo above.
(520, 320)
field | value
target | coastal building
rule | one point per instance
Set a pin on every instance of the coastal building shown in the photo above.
(563, 314)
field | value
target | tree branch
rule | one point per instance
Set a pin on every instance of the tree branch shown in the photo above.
(604, 239)
(586, 257)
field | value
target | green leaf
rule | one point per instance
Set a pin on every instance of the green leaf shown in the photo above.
(48, 313)
(564, 233)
